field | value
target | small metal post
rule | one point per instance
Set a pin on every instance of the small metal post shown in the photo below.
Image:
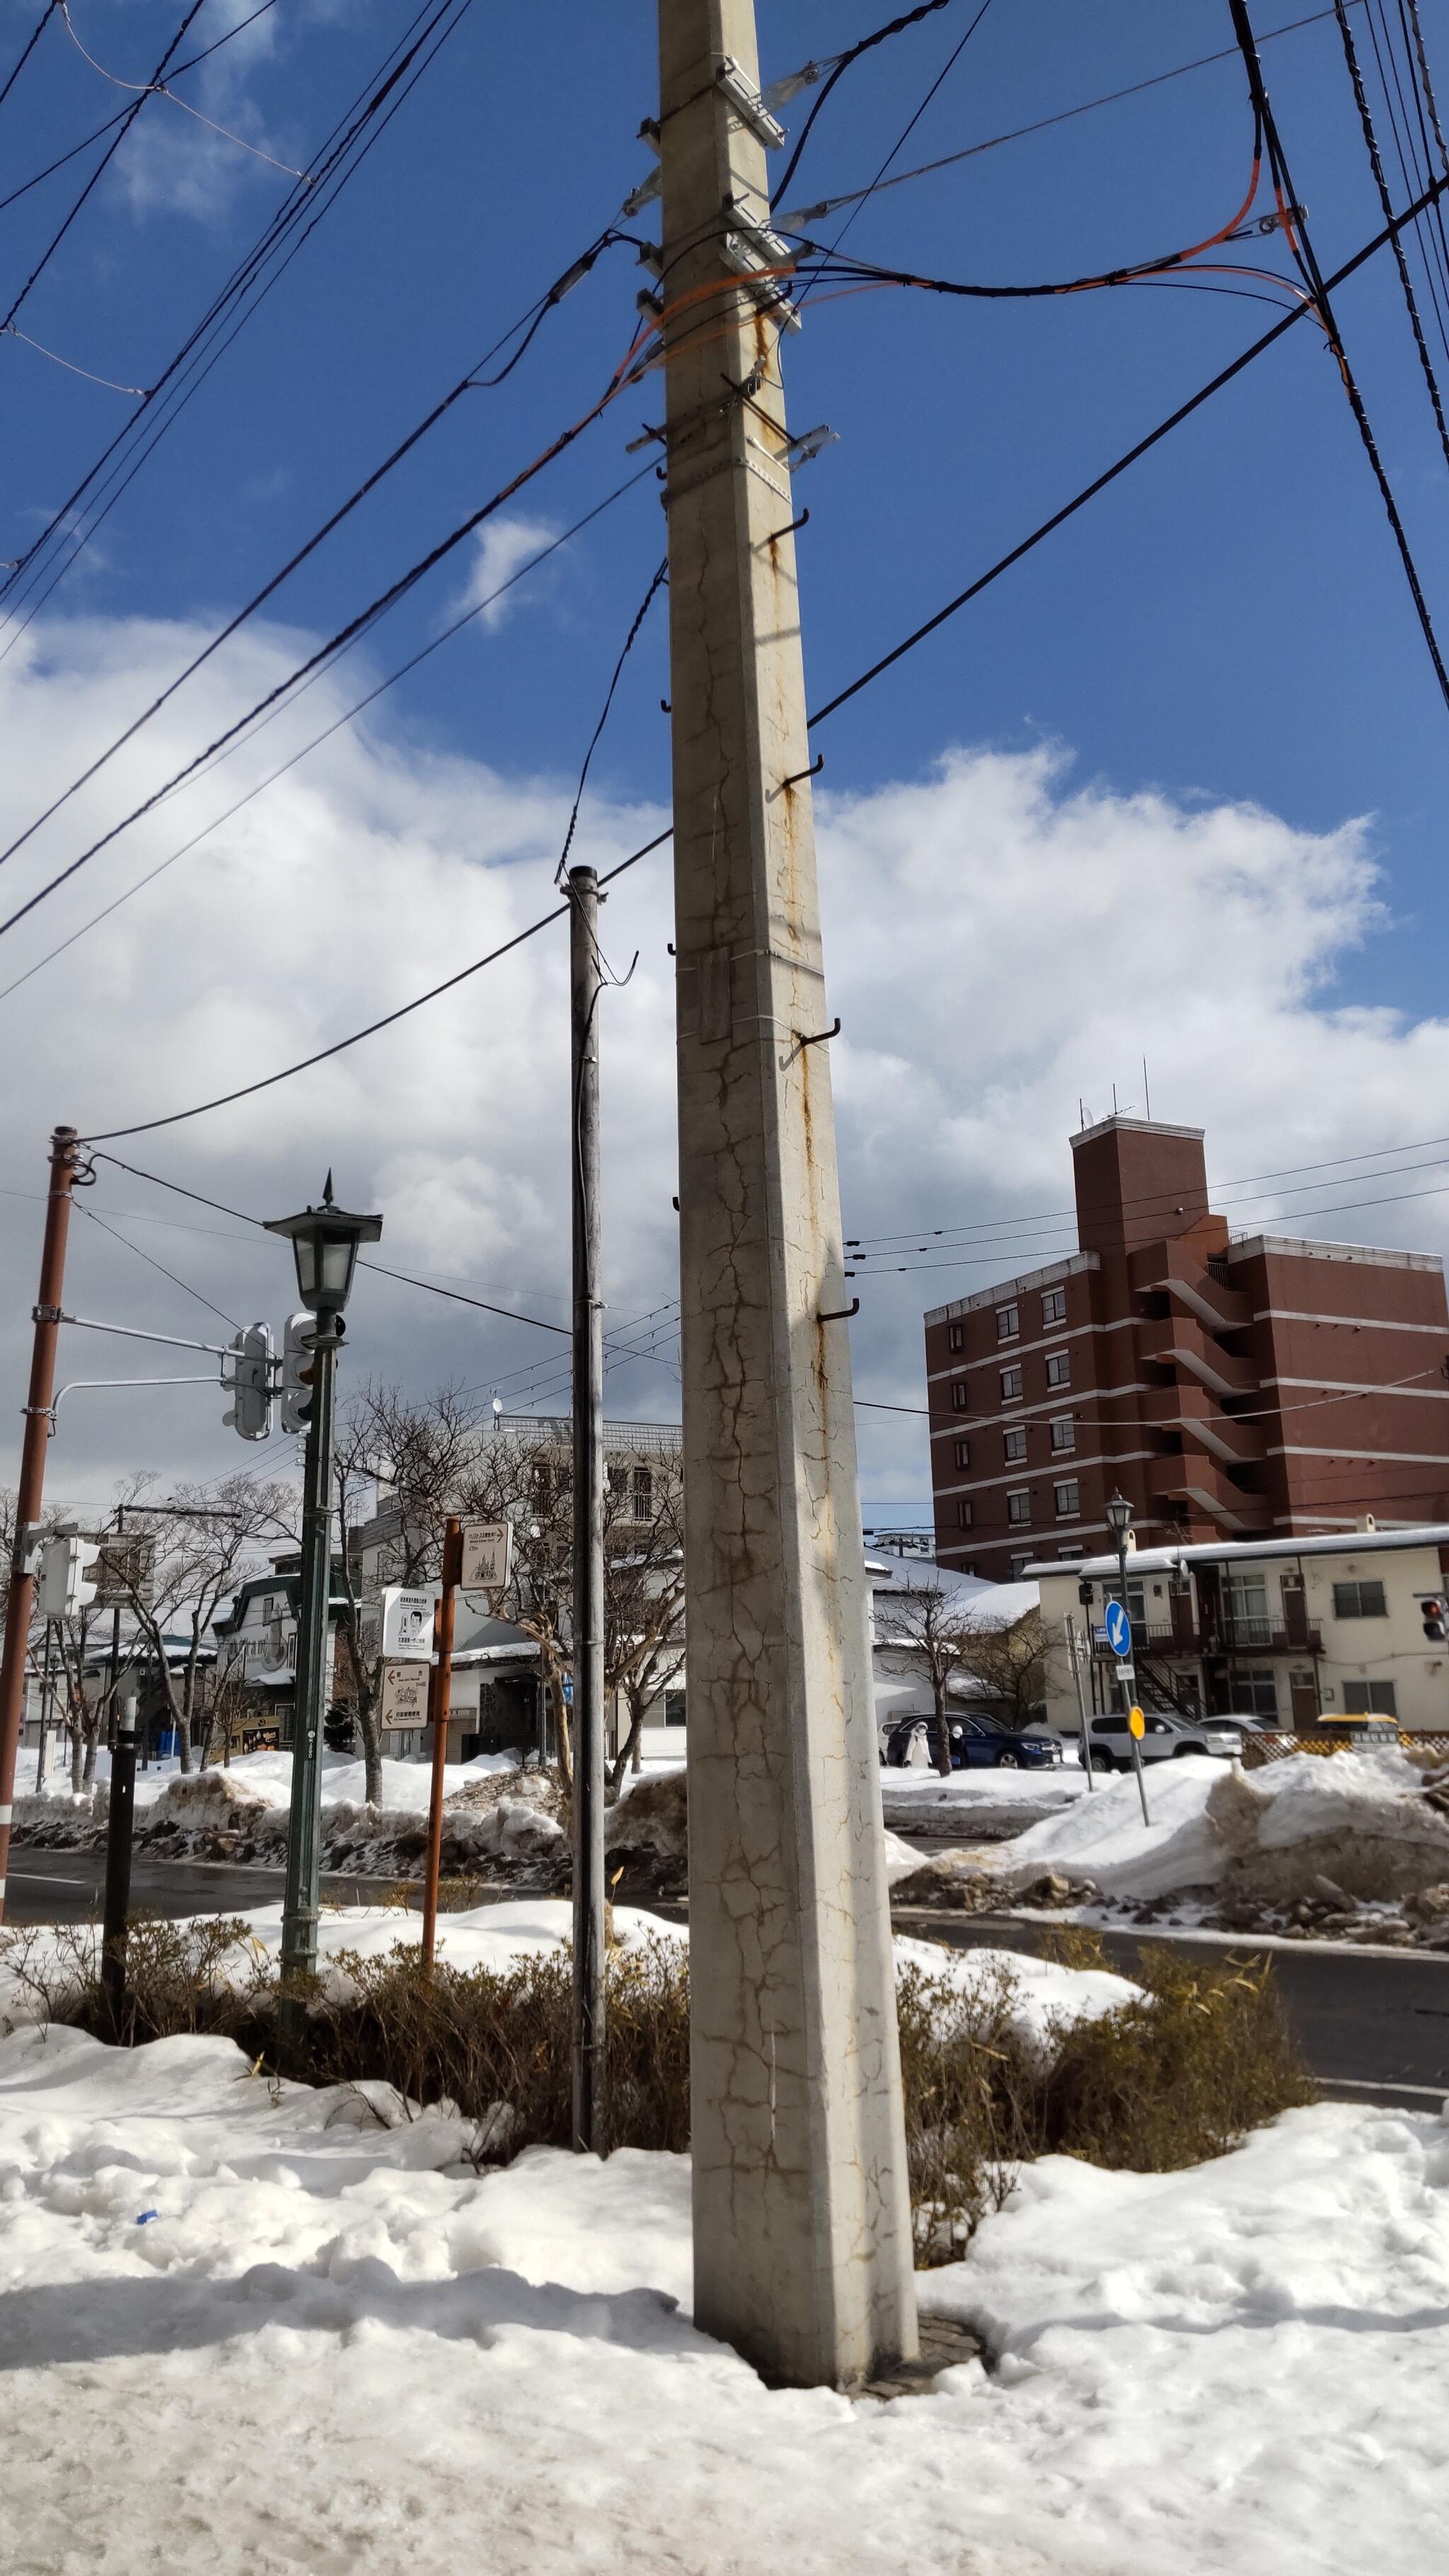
(1136, 1747)
(118, 1868)
(588, 1500)
(47, 1699)
(304, 1830)
(1074, 1657)
(440, 1692)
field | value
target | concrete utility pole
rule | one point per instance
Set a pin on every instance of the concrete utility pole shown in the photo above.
(38, 1419)
(586, 986)
(802, 2237)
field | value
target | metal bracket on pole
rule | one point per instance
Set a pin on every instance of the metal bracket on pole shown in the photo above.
(838, 1314)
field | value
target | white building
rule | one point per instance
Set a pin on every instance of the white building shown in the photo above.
(1306, 1631)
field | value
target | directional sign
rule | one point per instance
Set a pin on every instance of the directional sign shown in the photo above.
(1118, 1627)
(404, 1695)
(487, 1552)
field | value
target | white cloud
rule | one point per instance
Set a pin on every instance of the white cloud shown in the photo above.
(999, 941)
(502, 546)
(174, 159)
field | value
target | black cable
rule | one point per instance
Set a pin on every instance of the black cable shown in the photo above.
(896, 27)
(1371, 144)
(149, 1125)
(399, 73)
(1435, 226)
(37, 31)
(1429, 237)
(1099, 482)
(661, 576)
(87, 1210)
(908, 129)
(127, 121)
(77, 148)
(1302, 248)
(356, 626)
(434, 645)
(456, 1294)
(466, 384)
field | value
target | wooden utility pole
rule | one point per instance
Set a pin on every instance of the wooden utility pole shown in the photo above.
(586, 986)
(32, 1476)
(440, 1701)
(802, 2235)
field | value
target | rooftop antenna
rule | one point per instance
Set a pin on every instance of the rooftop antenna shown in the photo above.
(1081, 1111)
(1114, 1099)
(1146, 1094)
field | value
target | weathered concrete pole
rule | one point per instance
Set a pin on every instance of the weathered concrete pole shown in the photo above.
(802, 2236)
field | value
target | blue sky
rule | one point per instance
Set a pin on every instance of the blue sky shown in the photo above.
(1230, 625)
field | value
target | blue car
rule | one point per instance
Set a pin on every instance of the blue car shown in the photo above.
(977, 1744)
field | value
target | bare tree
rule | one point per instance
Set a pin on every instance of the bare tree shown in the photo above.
(202, 1552)
(932, 1627)
(1010, 1664)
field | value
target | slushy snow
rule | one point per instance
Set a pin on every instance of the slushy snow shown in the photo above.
(262, 2330)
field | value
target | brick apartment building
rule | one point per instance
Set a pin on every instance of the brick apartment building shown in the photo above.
(1263, 1387)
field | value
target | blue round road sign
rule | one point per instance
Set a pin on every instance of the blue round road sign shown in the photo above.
(1119, 1628)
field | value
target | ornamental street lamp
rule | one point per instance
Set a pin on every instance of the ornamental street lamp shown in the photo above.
(1119, 1521)
(324, 1241)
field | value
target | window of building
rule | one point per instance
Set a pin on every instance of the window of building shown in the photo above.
(964, 1513)
(1008, 1322)
(674, 1708)
(1013, 1445)
(958, 1395)
(1068, 1498)
(1370, 1699)
(1070, 1554)
(956, 1337)
(643, 1492)
(1054, 1306)
(1249, 1623)
(1359, 1601)
(1018, 1506)
(1019, 1565)
(962, 1453)
(1064, 1433)
(1255, 1694)
(1010, 1385)
(1059, 1368)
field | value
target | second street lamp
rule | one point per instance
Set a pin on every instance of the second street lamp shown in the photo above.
(325, 1242)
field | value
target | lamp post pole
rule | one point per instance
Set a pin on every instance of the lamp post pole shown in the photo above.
(304, 1833)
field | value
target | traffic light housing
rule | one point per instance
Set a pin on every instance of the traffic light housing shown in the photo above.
(247, 1376)
(299, 1370)
(1433, 1609)
(62, 1591)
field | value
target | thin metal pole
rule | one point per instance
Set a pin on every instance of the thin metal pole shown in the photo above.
(118, 1868)
(586, 984)
(47, 1700)
(304, 1830)
(1075, 1660)
(114, 1682)
(1136, 1747)
(440, 1695)
(28, 1500)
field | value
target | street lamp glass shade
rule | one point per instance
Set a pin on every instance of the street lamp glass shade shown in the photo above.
(324, 1243)
(1119, 1515)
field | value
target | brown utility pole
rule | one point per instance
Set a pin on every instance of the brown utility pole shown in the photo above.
(802, 2233)
(440, 1700)
(586, 988)
(32, 1476)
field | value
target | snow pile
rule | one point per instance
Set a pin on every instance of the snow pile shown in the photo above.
(511, 2353)
(1364, 1821)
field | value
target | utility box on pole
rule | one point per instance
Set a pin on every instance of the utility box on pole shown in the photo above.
(802, 2232)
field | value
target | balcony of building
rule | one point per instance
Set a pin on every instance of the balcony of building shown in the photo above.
(1171, 1270)
(1207, 1489)
(1191, 1411)
(1179, 1340)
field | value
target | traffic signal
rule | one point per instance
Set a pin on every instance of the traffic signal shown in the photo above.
(1433, 1610)
(299, 1370)
(62, 1591)
(247, 1377)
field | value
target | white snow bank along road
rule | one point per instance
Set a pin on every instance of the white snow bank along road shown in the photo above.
(248, 2332)
(495, 1936)
(1362, 1819)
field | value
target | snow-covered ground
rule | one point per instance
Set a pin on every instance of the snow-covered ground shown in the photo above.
(406, 1786)
(976, 1803)
(254, 2330)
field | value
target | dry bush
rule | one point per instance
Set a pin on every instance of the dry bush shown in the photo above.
(1176, 2077)
(970, 2099)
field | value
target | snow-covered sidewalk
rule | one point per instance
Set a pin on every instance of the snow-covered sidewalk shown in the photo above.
(251, 2331)
(264, 2330)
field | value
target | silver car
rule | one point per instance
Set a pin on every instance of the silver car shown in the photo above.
(1164, 1739)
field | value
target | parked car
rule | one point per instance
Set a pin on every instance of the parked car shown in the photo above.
(977, 1744)
(1165, 1739)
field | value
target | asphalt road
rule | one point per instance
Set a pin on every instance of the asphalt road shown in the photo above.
(1371, 2026)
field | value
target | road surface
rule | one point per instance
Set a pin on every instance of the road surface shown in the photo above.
(1371, 2027)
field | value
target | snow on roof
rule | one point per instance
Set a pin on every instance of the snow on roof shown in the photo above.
(1163, 1560)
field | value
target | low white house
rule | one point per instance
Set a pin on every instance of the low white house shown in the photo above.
(1302, 1632)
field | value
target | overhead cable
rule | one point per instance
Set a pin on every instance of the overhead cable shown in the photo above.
(842, 64)
(28, 48)
(1371, 144)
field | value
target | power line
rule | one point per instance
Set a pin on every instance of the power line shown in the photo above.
(126, 123)
(647, 602)
(28, 48)
(841, 66)
(348, 716)
(467, 383)
(148, 1126)
(1296, 229)
(87, 1210)
(1229, 53)
(361, 125)
(1100, 482)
